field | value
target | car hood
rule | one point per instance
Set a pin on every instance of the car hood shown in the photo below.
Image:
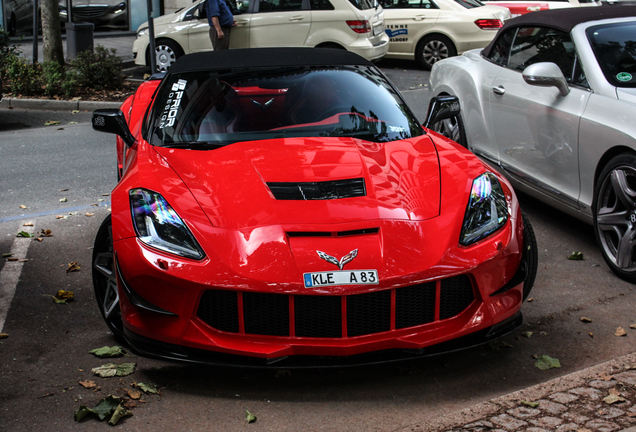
(234, 184)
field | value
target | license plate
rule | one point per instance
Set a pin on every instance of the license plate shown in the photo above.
(378, 30)
(342, 277)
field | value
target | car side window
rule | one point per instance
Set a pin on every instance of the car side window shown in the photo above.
(501, 49)
(280, 5)
(321, 5)
(541, 44)
(409, 4)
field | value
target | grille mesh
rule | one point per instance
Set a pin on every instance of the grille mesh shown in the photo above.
(266, 314)
(369, 313)
(320, 316)
(456, 294)
(415, 305)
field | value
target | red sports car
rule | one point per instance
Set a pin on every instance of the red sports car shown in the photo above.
(284, 206)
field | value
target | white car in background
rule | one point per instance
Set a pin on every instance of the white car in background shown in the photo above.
(522, 7)
(431, 30)
(354, 25)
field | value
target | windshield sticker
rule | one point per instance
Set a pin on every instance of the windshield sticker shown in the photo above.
(624, 76)
(172, 104)
(396, 129)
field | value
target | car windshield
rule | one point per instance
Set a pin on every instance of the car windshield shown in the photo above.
(614, 46)
(209, 109)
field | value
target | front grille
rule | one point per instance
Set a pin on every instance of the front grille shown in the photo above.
(326, 190)
(89, 12)
(320, 316)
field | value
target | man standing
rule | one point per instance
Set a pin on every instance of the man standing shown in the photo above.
(221, 21)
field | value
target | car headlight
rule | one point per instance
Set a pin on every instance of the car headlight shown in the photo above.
(142, 32)
(120, 8)
(160, 227)
(487, 210)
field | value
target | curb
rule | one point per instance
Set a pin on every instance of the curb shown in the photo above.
(456, 421)
(56, 105)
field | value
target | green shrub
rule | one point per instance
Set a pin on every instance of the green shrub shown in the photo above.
(25, 77)
(99, 69)
(53, 77)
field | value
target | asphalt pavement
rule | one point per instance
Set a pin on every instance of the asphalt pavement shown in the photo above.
(598, 398)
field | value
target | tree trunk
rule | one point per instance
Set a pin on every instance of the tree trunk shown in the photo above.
(51, 31)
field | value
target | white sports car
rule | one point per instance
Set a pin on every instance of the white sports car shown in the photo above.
(552, 102)
(431, 30)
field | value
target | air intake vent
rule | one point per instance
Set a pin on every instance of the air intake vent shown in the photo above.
(327, 190)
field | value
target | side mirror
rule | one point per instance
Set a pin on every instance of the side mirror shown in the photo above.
(112, 121)
(546, 74)
(441, 108)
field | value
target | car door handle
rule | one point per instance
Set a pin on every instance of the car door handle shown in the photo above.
(242, 22)
(499, 90)
(533, 8)
(419, 17)
(297, 18)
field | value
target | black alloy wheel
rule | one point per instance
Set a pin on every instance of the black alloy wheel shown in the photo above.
(615, 215)
(452, 128)
(105, 279)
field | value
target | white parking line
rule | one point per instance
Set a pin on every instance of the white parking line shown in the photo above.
(10, 274)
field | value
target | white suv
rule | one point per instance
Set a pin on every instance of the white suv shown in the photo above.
(355, 25)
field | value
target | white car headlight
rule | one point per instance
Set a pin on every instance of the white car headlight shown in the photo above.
(142, 32)
(160, 227)
(487, 210)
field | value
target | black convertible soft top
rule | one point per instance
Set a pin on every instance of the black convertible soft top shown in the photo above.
(266, 57)
(565, 19)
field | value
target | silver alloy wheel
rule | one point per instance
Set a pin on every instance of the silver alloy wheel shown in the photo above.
(434, 51)
(449, 128)
(165, 56)
(616, 217)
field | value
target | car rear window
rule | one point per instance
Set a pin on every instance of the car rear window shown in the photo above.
(614, 48)
(209, 109)
(470, 4)
(364, 4)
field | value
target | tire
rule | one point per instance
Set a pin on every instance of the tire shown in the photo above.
(105, 279)
(452, 128)
(530, 255)
(432, 49)
(167, 52)
(614, 210)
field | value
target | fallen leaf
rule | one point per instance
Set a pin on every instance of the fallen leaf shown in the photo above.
(51, 123)
(90, 214)
(527, 334)
(614, 391)
(633, 326)
(4, 335)
(23, 206)
(106, 194)
(591, 334)
(7, 255)
(76, 98)
(133, 394)
(605, 377)
(74, 111)
(612, 399)
(88, 384)
(12, 259)
(576, 256)
(46, 395)
(23, 260)
(251, 418)
(60, 129)
(61, 217)
(38, 239)
(73, 267)
(107, 351)
(24, 234)
(65, 295)
(73, 122)
(109, 406)
(586, 320)
(531, 299)
(620, 331)
(111, 369)
(63, 190)
(27, 224)
(46, 233)
(56, 300)
(530, 404)
(545, 362)
(149, 388)
(63, 199)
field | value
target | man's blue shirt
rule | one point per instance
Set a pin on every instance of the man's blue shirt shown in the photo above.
(220, 9)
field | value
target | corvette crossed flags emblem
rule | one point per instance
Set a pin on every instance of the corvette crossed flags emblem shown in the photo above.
(344, 260)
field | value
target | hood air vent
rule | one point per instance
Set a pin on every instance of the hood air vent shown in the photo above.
(326, 190)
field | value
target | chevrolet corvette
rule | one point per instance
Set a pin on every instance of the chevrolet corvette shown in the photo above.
(284, 207)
